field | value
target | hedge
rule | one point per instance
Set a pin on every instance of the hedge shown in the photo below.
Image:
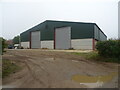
(109, 48)
(2, 45)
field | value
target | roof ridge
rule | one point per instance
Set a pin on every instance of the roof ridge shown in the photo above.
(69, 21)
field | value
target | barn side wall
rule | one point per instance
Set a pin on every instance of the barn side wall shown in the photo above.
(82, 34)
(25, 36)
(47, 44)
(82, 43)
(78, 30)
(98, 34)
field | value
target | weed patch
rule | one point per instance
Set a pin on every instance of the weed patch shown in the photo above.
(95, 56)
(8, 67)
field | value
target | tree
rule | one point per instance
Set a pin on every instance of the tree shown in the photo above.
(16, 39)
(2, 45)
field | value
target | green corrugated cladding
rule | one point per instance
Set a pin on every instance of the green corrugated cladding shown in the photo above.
(78, 30)
(25, 36)
(98, 34)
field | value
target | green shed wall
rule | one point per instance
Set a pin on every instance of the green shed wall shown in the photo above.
(79, 30)
(25, 36)
(98, 34)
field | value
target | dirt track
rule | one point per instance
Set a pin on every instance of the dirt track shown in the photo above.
(48, 69)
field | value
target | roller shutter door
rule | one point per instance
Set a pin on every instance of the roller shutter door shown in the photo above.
(35, 39)
(63, 38)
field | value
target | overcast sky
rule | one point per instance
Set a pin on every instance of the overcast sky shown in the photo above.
(17, 16)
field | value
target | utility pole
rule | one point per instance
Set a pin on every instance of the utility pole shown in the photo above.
(119, 19)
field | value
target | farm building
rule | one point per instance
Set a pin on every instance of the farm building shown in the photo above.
(62, 35)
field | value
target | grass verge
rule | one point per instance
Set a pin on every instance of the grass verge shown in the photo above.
(8, 67)
(95, 56)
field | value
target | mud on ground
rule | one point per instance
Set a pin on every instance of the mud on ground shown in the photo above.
(56, 69)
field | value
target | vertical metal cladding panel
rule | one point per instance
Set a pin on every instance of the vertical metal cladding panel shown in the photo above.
(102, 36)
(96, 33)
(63, 38)
(35, 39)
(25, 36)
(78, 30)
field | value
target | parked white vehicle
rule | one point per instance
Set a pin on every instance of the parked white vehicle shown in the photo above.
(16, 46)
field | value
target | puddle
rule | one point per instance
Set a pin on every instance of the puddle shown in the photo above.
(50, 59)
(75, 61)
(93, 81)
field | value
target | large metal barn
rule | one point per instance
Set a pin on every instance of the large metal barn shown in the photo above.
(62, 35)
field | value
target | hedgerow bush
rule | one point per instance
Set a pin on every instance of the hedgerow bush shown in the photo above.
(2, 45)
(109, 48)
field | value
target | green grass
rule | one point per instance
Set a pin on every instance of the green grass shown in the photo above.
(95, 56)
(8, 68)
